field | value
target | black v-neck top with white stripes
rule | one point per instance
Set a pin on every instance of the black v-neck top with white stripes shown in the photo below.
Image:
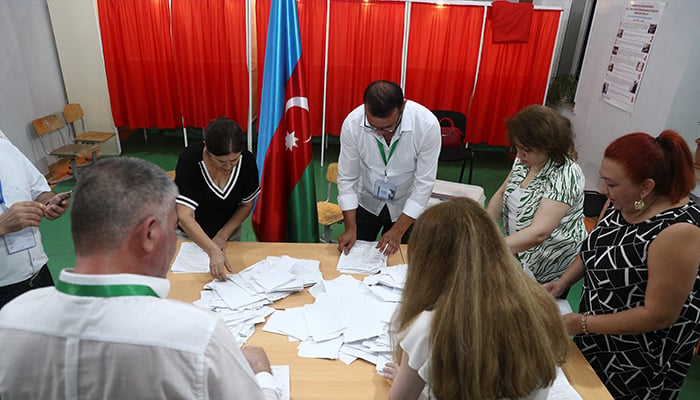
(213, 206)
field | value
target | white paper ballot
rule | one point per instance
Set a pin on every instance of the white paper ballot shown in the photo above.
(564, 307)
(191, 258)
(363, 258)
(561, 389)
(326, 349)
(288, 322)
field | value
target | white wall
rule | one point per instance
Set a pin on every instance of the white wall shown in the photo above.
(30, 78)
(685, 109)
(79, 50)
(668, 93)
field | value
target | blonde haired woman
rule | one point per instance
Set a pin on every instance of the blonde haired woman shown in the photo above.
(471, 324)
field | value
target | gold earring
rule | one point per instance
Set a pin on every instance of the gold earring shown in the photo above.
(639, 204)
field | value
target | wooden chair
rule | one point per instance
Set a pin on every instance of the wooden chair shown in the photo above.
(52, 123)
(329, 213)
(74, 112)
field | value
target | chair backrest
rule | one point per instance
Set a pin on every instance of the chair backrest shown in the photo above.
(593, 203)
(332, 173)
(48, 124)
(72, 112)
(457, 117)
(332, 178)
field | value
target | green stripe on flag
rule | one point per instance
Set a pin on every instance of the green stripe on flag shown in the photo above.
(302, 218)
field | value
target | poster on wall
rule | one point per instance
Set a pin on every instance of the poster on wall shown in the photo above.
(630, 53)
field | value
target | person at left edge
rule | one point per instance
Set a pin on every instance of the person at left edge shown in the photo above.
(25, 198)
(389, 150)
(218, 183)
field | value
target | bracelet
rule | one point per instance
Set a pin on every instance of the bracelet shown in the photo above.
(583, 322)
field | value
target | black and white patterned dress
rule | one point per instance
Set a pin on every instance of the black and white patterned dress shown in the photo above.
(650, 365)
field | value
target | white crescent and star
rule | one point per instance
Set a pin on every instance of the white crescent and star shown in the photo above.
(302, 102)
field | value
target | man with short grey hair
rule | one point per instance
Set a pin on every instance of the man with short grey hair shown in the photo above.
(105, 330)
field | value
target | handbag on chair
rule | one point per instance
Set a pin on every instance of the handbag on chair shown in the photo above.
(451, 135)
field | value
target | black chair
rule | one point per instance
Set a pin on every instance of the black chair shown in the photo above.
(593, 203)
(461, 153)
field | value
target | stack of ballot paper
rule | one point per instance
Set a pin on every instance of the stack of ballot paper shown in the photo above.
(363, 258)
(348, 320)
(241, 300)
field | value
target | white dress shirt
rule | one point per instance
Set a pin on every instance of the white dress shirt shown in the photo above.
(56, 343)
(412, 167)
(20, 181)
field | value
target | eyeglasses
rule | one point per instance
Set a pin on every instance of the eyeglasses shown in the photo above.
(387, 130)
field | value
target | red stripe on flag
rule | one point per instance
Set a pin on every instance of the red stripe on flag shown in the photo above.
(288, 155)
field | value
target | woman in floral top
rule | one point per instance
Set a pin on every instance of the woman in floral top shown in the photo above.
(541, 200)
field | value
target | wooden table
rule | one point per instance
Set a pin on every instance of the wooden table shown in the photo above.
(312, 378)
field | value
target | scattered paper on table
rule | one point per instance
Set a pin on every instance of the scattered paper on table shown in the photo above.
(191, 258)
(241, 300)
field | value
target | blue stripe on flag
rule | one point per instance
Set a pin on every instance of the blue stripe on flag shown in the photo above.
(282, 54)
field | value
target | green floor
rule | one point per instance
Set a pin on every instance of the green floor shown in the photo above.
(491, 166)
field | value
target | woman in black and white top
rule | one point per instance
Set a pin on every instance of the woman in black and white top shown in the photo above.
(218, 183)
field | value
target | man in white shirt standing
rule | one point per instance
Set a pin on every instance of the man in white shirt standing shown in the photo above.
(389, 150)
(105, 330)
(25, 199)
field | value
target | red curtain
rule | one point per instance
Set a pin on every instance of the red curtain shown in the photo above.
(139, 62)
(511, 76)
(365, 44)
(210, 50)
(312, 26)
(443, 52)
(148, 88)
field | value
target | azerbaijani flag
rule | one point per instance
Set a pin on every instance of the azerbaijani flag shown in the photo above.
(286, 206)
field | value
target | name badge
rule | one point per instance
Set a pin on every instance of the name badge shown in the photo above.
(384, 190)
(20, 240)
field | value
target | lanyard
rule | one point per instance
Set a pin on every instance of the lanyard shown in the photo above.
(104, 290)
(2, 199)
(391, 150)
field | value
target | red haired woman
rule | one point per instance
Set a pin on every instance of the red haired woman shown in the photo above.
(640, 307)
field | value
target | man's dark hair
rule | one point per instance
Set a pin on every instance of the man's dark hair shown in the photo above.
(383, 97)
(223, 136)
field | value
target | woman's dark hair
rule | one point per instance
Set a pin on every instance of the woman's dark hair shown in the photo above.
(223, 136)
(541, 128)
